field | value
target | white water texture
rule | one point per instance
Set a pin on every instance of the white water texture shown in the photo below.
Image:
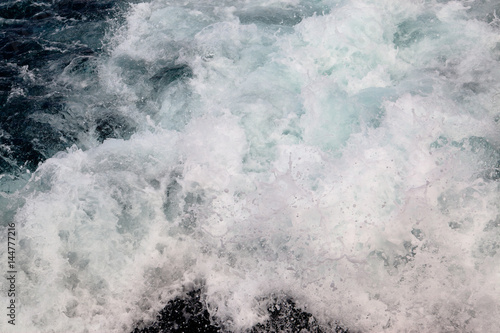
(344, 153)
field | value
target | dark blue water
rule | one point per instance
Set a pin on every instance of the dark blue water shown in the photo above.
(42, 43)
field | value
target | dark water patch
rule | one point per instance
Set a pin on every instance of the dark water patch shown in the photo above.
(189, 313)
(285, 316)
(183, 314)
(473, 87)
(47, 51)
(12, 159)
(114, 126)
(283, 16)
(84, 9)
(28, 140)
(167, 75)
(15, 48)
(131, 69)
(43, 9)
(23, 9)
(412, 31)
(270, 16)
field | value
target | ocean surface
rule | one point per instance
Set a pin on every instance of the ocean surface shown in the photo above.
(341, 157)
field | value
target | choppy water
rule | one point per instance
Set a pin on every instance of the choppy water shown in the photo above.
(343, 153)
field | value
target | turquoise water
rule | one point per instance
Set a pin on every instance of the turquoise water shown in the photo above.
(344, 153)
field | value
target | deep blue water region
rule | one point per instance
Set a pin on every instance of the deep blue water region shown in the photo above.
(39, 41)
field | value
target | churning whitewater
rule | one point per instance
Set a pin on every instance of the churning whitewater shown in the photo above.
(343, 153)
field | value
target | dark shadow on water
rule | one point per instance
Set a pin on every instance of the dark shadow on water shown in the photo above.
(189, 314)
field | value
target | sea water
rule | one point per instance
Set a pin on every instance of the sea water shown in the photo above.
(343, 153)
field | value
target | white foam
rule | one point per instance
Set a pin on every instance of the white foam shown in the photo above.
(319, 160)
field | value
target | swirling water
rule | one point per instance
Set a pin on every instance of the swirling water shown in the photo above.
(343, 153)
